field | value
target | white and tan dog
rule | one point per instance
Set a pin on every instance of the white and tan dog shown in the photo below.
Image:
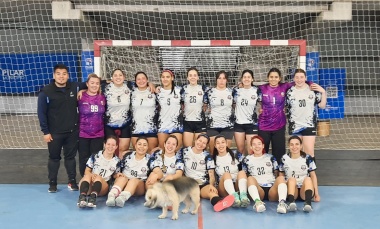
(172, 193)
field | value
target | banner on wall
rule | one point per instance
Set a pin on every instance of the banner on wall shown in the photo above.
(333, 81)
(312, 66)
(28, 73)
(87, 64)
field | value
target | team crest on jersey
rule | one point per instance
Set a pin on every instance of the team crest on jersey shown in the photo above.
(233, 162)
(282, 94)
(200, 93)
(143, 170)
(303, 167)
(102, 103)
(202, 162)
(229, 97)
(150, 96)
(269, 164)
(176, 96)
(172, 165)
(112, 169)
(126, 91)
(253, 97)
(311, 97)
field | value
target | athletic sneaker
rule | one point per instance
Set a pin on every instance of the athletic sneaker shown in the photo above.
(292, 207)
(282, 207)
(307, 207)
(259, 206)
(244, 200)
(72, 185)
(92, 201)
(111, 200)
(52, 186)
(120, 201)
(82, 201)
(237, 201)
(226, 202)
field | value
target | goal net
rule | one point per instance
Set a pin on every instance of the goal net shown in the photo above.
(340, 39)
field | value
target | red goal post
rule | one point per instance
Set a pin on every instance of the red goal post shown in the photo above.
(98, 44)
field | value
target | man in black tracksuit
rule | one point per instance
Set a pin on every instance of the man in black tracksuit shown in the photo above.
(58, 116)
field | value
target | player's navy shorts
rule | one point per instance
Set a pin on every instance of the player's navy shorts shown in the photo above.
(246, 128)
(194, 126)
(125, 132)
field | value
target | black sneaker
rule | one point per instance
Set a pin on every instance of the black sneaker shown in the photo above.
(82, 201)
(92, 201)
(52, 186)
(72, 185)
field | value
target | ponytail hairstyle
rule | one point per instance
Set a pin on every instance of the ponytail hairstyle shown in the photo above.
(302, 153)
(250, 72)
(216, 152)
(172, 75)
(261, 139)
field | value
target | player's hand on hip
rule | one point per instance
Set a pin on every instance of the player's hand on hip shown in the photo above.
(48, 138)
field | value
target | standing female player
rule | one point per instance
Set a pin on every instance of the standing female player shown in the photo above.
(262, 169)
(220, 119)
(198, 164)
(299, 170)
(144, 112)
(193, 94)
(229, 172)
(118, 116)
(101, 167)
(170, 119)
(91, 109)
(301, 101)
(165, 159)
(134, 171)
(245, 99)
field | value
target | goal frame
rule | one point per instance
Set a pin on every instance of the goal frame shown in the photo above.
(98, 44)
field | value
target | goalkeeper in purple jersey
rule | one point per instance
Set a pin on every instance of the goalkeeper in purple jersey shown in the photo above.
(91, 109)
(272, 119)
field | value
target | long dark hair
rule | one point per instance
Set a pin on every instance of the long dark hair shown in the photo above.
(216, 152)
(303, 154)
(164, 167)
(275, 70)
(220, 73)
(250, 72)
(190, 69)
(172, 74)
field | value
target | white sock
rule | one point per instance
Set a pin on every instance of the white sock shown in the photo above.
(229, 186)
(242, 183)
(115, 191)
(125, 195)
(282, 192)
(254, 192)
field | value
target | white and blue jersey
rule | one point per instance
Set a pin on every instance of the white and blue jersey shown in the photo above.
(168, 165)
(301, 108)
(193, 97)
(225, 164)
(118, 104)
(103, 167)
(170, 119)
(133, 168)
(220, 105)
(144, 112)
(261, 168)
(195, 165)
(245, 105)
(298, 168)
